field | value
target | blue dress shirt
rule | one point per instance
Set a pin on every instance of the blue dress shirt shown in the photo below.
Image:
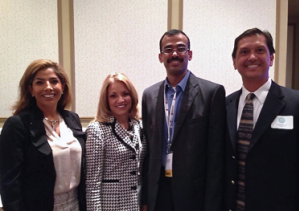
(180, 88)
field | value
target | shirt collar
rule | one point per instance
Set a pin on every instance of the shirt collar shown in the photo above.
(260, 94)
(182, 83)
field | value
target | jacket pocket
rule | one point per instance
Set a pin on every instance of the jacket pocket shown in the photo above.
(109, 180)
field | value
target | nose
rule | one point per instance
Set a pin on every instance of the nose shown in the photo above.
(121, 99)
(48, 86)
(252, 56)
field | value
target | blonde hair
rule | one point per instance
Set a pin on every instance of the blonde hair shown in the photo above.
(25, 100)
(104, 113)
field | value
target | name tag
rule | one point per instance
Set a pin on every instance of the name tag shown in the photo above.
(283, 123)
(168, 165)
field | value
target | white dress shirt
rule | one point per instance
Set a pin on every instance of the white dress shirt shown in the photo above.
(258, 101)
(67, 153)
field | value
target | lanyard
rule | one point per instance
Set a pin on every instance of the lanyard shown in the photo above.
(169, 118)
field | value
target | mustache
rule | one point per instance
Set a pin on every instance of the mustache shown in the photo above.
(175, 59)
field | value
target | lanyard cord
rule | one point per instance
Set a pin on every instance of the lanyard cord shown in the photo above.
(169, 118)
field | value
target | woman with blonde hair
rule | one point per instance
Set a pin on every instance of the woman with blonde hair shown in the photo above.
(42, 145)
(115, 148)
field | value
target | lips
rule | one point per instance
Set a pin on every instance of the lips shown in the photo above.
(49, 96)
(252, 66)
(120, 106)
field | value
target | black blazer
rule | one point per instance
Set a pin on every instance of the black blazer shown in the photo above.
(272, 163)
(198, 146)
(27, 172)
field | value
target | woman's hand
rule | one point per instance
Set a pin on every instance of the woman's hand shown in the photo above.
(143, 208)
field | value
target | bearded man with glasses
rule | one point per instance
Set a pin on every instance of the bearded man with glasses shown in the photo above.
(184, 123)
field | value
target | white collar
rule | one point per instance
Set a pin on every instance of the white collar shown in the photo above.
(260, 94)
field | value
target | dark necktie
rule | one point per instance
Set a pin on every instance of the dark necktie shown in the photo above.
(243, 140)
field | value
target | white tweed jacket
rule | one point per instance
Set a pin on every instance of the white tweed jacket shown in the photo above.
(113, 163)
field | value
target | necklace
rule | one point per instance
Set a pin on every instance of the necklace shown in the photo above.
(53, 122)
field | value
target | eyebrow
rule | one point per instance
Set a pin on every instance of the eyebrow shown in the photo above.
(42, 79)
(125, 91)
(258, 46)
(181, 44)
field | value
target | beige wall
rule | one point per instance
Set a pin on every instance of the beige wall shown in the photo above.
(123, 37)
(212, 33)
(28, 32)
(295, 76)
(110, 36)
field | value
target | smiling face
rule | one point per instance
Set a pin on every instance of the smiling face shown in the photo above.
(119, 100)
(175, 63)
(46, 88)
(253, 59)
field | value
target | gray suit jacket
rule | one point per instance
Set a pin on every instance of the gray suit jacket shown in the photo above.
(198, 145)
(272, 163)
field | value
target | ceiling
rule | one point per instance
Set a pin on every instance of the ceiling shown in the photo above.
(294, 8)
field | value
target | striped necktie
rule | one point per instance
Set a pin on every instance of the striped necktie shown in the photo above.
(243, 140)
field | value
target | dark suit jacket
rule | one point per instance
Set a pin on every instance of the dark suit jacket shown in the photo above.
(198, 145)
(27, 172)
(271, 169)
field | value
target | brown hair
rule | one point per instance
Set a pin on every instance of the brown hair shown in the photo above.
(25, 100)
(104, 112)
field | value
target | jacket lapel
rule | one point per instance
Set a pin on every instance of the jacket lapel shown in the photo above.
(71, 123)
(272, 107)
(124, 137)
(160, 114)
(37, 131)
(191, 90)
(156, 122)
(232, 112)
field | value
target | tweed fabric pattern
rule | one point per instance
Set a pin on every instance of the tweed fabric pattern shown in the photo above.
(243, 140)
(114, 160)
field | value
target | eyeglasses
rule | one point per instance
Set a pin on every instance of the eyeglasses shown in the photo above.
(179, 50)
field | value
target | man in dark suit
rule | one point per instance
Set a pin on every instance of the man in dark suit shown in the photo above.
(261, 162)
(184, 123)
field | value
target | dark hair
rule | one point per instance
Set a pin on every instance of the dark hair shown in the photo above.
(251, 32)
(25, 99)
(173, 32)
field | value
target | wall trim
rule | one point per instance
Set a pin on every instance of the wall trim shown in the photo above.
(175, 14)
(280, 57)
(65, 12)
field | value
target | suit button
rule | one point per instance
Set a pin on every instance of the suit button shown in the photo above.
(133, 172)
(233, 182)
(134, 188)
(233, 157)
